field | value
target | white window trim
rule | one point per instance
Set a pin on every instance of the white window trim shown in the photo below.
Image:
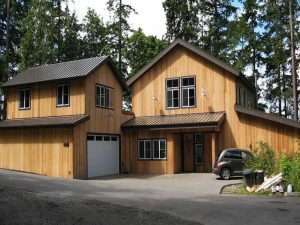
(188, 87)
(172, 89)
(63, 104)
(144, 141)
(104, 104)
(24, 99)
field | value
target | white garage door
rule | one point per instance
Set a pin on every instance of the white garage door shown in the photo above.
(103, 155)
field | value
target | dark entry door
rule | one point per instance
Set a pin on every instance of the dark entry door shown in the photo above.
(188, 153)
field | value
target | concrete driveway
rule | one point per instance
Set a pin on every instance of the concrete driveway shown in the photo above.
(192, 197)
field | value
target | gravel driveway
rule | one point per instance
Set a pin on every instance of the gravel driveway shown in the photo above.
(174, 199)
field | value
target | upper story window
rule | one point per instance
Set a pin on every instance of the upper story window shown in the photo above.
(103, 96)
(173, 93)
(24, 99)
(181, 92)
(188, 87)
(63, 95)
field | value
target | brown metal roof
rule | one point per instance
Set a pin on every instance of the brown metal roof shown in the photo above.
(195, 50)
(62, 71)
(267, 116)
(44, 121)
(182, 120)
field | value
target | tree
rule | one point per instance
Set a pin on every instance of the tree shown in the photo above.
(38, 45)
(70, 38)
(11, 15)
(141, 49)
(182, 20)
(119, 30)
(95, 39)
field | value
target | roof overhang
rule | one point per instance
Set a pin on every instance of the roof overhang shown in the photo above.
(196, 51)
(267, 116)
(210, 121)
(56, 121)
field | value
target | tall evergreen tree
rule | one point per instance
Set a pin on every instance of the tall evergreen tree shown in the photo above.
(10, 34)
(182, 20)
(95, 39)
(70, 47)
(119, 31)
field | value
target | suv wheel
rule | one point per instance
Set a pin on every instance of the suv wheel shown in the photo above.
(225, 174)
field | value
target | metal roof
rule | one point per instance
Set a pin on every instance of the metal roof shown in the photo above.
(193, 119)
(267, 116)
(61, 71)
(195, 50)
(44, 121)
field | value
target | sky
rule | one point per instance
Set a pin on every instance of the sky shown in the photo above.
(150, 15)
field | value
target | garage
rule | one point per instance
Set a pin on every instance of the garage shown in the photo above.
(103, 155)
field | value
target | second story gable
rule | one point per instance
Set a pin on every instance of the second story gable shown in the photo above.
(183, 79)
(67, 88)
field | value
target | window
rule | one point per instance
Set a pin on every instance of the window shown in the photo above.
(63, 95)
(188, 92)
(172, 93)
(103, 96)
(233, 155)
(199, 148)
(25, 99)
(152, 149)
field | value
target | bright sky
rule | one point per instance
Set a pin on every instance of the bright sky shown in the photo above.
(150, 15)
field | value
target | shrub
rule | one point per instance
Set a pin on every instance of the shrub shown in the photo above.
(264, 159)
(290, 168)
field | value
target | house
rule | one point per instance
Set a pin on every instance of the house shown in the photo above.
(189, 106)
(64, 119)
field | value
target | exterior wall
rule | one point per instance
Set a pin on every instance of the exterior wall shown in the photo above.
(43, 101)
(215, 91)
(104, 121)
(38, 150)
(132, 164)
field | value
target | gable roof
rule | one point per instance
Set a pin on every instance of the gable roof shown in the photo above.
(197, 51)
(62, 71)
(267, 116)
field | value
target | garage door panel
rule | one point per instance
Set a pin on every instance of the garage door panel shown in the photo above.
(103, 155)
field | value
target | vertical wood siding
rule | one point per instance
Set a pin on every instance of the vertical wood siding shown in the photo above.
(38, 150)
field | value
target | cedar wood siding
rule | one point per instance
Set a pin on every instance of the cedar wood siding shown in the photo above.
(45, 148)
(43, 100)
(38, 150)
(219, 86)
(105, 121)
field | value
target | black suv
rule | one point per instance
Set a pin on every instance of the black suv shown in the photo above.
(231, 162)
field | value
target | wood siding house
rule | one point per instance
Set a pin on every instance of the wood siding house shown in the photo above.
(66, 119)
(51, 112)
(189, 106)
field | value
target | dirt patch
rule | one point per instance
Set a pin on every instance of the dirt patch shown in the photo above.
(26, 208)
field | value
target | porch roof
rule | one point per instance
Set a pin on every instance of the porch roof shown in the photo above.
(191, 120)
(43, 121)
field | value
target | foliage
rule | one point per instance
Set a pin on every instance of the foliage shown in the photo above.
(290, 167)
(141, 49)
(182, 19)
(263, 159)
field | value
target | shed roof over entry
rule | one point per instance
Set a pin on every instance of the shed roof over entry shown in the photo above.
(191, 120)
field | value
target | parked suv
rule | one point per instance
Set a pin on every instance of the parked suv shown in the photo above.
(231, 162)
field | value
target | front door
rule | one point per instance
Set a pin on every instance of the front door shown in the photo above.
(188, 153)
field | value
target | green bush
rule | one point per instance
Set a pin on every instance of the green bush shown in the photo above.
(264, 159)
(290, 168)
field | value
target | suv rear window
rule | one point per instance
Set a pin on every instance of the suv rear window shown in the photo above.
(233, 155)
